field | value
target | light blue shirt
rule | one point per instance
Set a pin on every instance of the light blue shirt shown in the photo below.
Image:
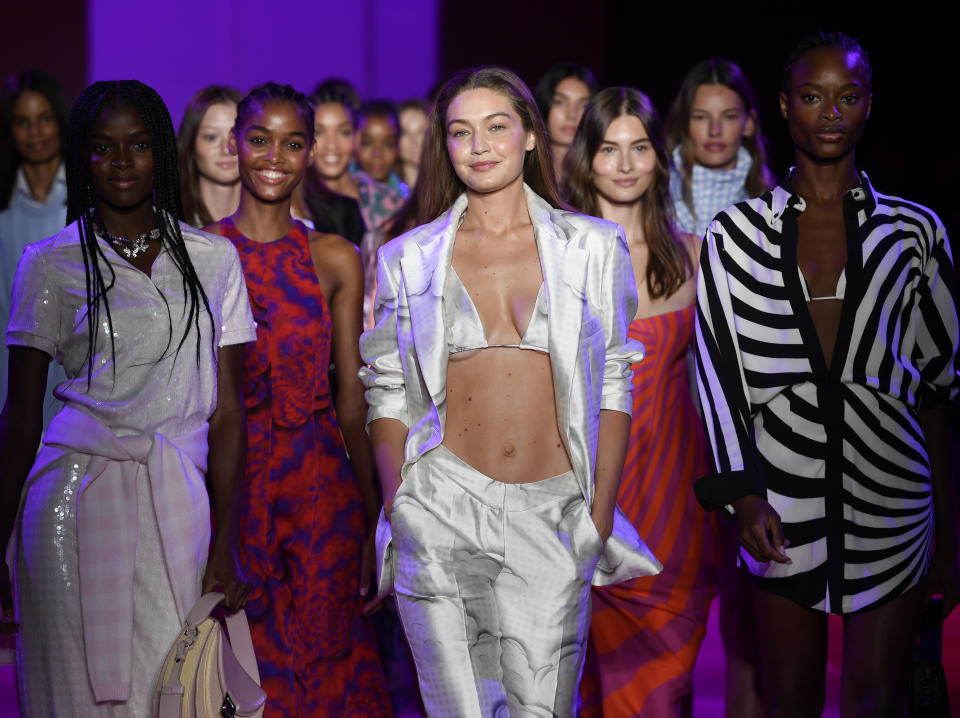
(713, 190)
(25, 221)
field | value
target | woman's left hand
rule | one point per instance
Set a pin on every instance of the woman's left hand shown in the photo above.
(222, 573)
(944, 578)
(603, 520)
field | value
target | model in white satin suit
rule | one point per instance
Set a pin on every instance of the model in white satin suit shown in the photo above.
(590, 300)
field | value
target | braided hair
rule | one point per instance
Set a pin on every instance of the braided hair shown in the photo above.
(168, 207)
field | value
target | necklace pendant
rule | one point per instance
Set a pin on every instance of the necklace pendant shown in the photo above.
(130, 247)
(137, 246)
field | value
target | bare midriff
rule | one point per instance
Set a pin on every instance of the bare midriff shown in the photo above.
(501, 414)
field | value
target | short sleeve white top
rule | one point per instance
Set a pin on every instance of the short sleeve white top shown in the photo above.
(148, 381)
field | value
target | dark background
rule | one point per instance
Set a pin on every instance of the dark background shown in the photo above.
(910, 148)
(911, 144)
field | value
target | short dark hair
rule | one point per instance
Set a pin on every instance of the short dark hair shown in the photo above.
(818, 39)
(379, 108)
(272, 92)
(337, 91)
(414, 104)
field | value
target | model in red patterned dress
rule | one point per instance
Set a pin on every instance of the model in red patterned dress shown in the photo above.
(303, 524)
(645, 634)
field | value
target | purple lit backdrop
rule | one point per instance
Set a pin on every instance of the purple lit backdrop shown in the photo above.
(386, 48)
(401, 48)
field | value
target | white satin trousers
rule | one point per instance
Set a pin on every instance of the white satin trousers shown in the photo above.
(493, 588)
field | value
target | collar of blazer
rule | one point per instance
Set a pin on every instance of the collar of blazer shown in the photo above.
(425, 262)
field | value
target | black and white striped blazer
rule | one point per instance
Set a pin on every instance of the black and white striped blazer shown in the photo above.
(838, 452)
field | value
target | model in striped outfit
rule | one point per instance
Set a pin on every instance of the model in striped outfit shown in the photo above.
(645, 634)
(827, 338)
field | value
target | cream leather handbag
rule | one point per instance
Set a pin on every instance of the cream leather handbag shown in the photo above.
(204, 675)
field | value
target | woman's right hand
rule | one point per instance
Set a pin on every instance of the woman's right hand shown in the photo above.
(760, 530)
(8, 626)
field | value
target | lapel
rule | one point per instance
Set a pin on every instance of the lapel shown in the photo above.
(424, 265)
(564, 268)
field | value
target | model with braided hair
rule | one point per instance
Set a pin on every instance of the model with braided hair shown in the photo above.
(146, 316)
(302, 518)
(159, 211)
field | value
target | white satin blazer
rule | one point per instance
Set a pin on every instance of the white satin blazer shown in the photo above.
(591, 299)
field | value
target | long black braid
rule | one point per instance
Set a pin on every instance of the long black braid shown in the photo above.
(166, 200)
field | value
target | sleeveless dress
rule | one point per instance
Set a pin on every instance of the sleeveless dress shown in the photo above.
(645, 634)
(302, 522)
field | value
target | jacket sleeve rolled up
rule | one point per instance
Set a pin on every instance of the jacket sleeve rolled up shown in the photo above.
(382, 374)
(618, 302)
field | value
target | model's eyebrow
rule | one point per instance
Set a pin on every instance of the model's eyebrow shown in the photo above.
(106, 136)
(488, 117)
(631, 142)
(728, 108)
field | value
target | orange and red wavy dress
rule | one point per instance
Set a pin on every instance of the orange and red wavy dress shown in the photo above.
(645, 634)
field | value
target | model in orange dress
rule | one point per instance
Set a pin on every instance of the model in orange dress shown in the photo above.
(645, 634)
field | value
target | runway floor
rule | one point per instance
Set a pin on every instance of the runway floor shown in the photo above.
(708, 675)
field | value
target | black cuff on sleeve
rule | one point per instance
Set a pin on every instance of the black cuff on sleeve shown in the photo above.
(717, 490)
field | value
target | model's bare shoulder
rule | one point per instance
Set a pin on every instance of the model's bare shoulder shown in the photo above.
(333, 253)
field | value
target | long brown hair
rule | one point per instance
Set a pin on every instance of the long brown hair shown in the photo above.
(669, 264)
(438, 185)
(717, 71)
(193, 207)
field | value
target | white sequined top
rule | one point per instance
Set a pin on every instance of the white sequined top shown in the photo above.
(144, 384)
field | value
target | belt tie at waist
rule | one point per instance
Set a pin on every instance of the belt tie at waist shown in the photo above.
(107, 531)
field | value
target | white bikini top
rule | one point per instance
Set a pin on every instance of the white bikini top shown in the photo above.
(840, 292)
(465, 331)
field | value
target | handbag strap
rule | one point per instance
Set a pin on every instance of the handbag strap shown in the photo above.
(203, 608)
(238, 631)
(242, 643)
